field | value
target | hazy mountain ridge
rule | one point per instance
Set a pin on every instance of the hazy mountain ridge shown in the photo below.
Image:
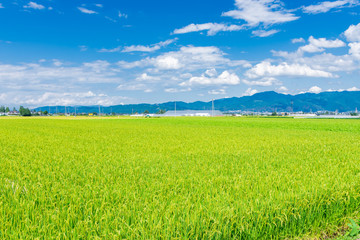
(265, 101)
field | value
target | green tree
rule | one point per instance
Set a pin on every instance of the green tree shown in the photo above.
(45, 112)
(24, 111)
(274, 114)
(161, 111)
(7, 109)
(146, 112)
(2, 109)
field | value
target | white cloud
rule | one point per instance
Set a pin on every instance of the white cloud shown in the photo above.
(68, 99)
(154, 47)
(147, 78)
(266, 69)
(298, 40)
(188, 58)
(1, 6)
(221, 91)
(264, 82)
(167, 62)
(176, 90)
(122, 15)
(319, 45)
(34, 5)
(267, 12)
(263, 33)
(141, 48)
(132, 87)
(99, 5)
(282, 89)
(315, 89)
(224, 78)
(117, 49)
(352, 34)
(353, 89)
(87, 11)
(355, 49)
(211, 28)
(326, 6)
(250, 92)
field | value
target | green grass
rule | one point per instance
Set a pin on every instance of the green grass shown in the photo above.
(197, 178)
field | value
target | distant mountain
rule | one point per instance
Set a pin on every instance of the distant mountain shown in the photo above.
(265, 101)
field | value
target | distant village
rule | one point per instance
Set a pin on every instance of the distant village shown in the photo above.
(5, 111)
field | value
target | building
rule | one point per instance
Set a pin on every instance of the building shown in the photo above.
(191, 113)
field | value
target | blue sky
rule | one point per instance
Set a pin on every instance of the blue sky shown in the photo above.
(78, 52)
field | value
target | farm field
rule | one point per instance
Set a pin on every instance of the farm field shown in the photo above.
(177, 178)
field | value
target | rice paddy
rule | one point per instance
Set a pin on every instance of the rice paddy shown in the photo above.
(177, 178)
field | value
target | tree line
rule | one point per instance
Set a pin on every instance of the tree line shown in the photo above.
(23, 111)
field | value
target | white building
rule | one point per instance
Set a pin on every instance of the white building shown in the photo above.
(192, 113)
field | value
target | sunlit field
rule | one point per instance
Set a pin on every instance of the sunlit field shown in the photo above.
(177, 178)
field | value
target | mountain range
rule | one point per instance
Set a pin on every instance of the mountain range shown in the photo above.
(344, 101)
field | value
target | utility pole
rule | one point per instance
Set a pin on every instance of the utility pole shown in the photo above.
(212, 108)
(175, 108)
(99, 111)
(75, 111)
(65, 110)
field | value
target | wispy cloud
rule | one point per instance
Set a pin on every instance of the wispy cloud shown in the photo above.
(256, 12)
(34, 5)
(326, 6)
(298, 40)
(141, 48)
(211, 28)
(122, 15)
(264, 33)
(87, 11)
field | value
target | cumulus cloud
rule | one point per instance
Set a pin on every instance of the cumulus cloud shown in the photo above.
(34, 5)
(266, 69)
(250, 92)
(315, 89)
(255, 12)
(355, 49)
(352, 34)
(282, 89)
(224, 78)
(319, 45)
(264, 33)
(87, 11)
(187, 58)
(326, 6)
(211, 28)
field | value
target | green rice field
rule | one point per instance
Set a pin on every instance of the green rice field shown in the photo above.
(178, 178)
